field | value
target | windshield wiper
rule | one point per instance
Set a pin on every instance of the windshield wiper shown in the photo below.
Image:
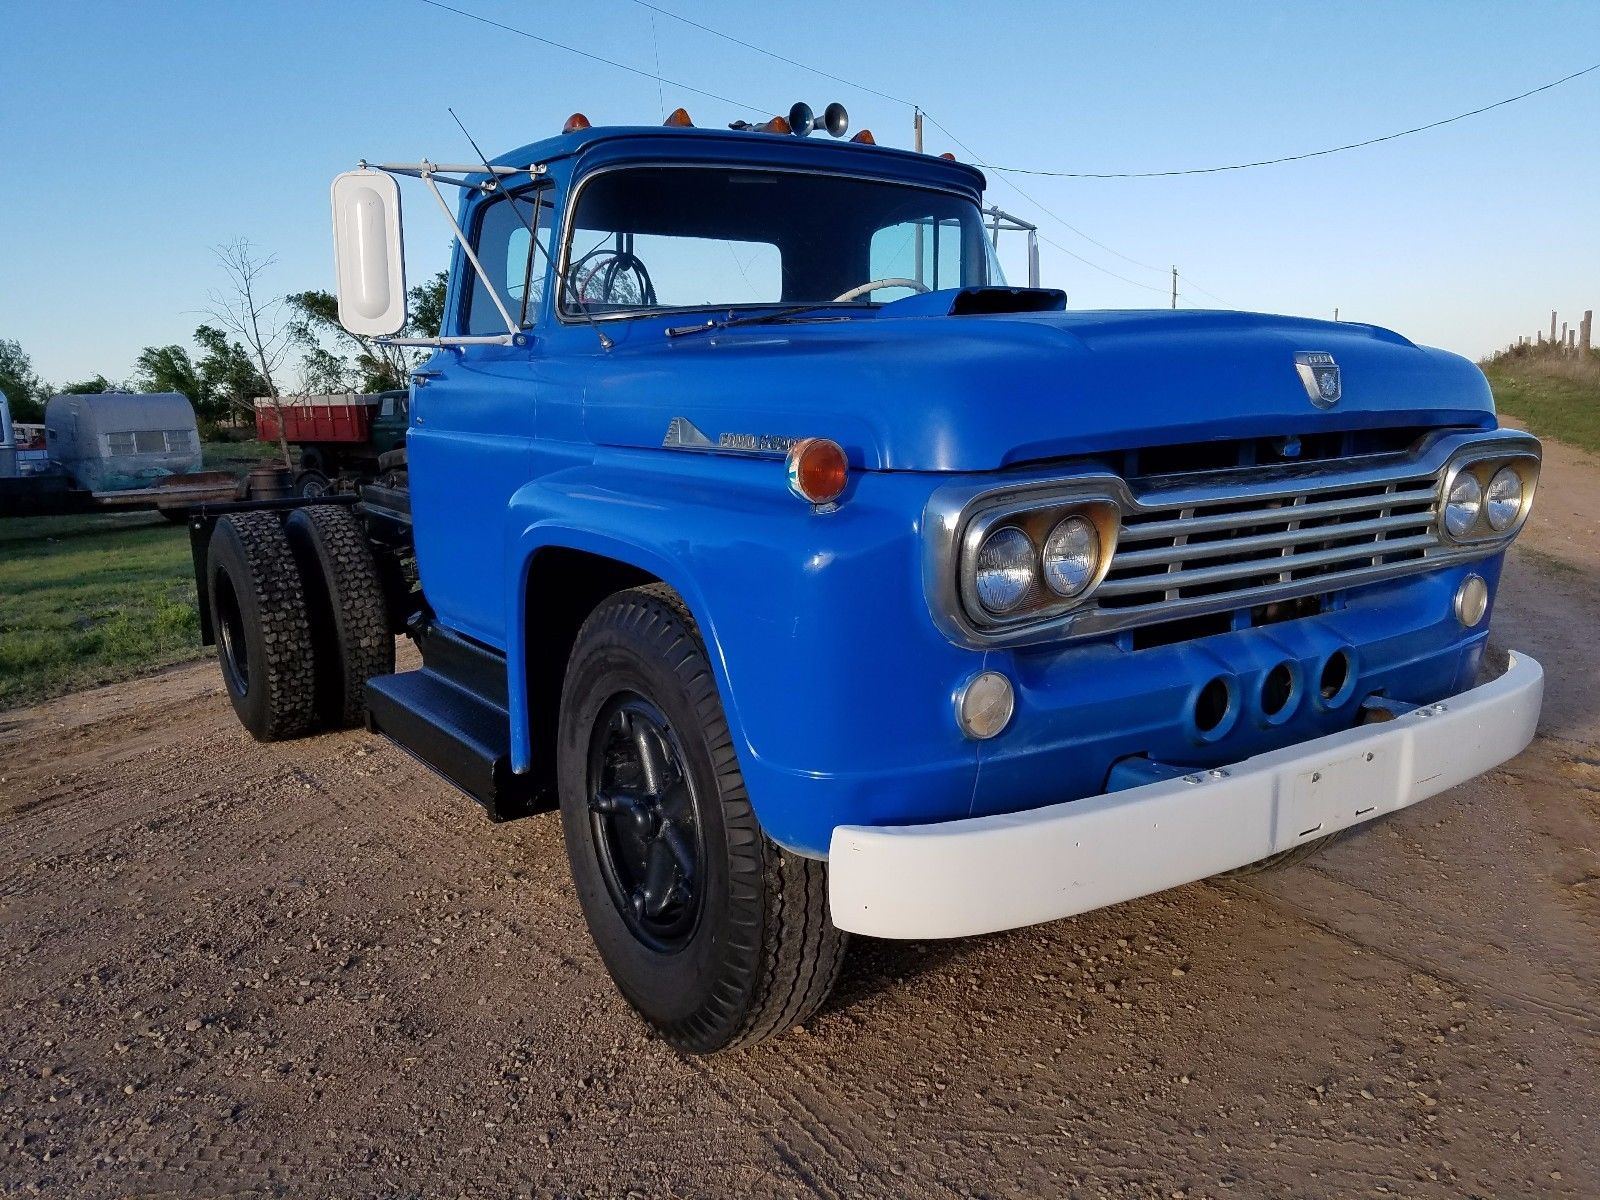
(781, 314)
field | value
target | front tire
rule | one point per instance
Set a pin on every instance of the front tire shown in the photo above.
(717, 936)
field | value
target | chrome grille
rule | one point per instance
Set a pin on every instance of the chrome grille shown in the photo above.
(1208, 554)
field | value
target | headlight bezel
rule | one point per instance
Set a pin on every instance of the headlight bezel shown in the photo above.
(1036, 517)
(1483, 468)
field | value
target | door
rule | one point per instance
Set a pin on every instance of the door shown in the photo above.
(473, 421)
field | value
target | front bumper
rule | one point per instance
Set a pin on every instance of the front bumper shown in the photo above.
(982, 874)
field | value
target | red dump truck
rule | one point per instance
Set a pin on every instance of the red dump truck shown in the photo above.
(343, 439)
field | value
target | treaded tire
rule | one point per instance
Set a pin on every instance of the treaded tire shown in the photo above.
(764, 953)
(350, 636)
(263, 638)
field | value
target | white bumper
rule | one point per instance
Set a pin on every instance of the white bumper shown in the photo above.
(982, 874)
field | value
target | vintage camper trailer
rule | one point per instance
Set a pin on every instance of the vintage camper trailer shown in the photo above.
(115, 441)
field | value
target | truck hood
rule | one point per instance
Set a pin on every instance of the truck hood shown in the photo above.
(921, 392)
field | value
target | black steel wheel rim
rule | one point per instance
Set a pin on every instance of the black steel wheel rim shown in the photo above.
(644, 816)
(234, 652)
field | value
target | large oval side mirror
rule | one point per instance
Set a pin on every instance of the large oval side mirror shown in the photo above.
(369, 253)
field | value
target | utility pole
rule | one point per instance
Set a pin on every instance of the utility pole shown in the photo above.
(1174, 287)
(916, 144)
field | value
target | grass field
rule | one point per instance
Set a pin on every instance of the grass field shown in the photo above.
(91, 599)
(1556, 396)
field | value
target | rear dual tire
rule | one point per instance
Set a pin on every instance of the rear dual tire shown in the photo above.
(300, 619)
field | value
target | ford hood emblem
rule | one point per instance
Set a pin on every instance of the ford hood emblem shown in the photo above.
(1320, 374)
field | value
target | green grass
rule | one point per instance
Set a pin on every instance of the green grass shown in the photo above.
(88, 600)
(1556, 396)
(238, 457)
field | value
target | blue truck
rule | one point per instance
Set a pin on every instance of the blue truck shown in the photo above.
(827, 584)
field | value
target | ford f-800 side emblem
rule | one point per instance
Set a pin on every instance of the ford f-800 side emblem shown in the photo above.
(1320, 374)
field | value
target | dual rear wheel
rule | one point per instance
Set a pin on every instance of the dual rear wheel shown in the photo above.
(300, 619)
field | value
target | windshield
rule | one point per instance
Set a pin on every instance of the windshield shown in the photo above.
(654, 238)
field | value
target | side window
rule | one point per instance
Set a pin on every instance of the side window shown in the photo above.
(508, 254)
(926, 250)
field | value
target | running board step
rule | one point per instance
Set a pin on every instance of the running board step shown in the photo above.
(450, 716)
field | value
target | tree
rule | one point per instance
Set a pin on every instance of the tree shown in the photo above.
(427, 306)
(170, 369)
(334, 358)
(244, 310)
(373, 366)
(92, 386)
(23, 390)
(227, 373)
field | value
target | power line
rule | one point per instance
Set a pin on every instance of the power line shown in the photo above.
(728, 37)
(1289, 158)
(660, 79)
(1200, 289)
(977, 159)
(975, 156)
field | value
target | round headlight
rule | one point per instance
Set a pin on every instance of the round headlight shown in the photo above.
(1462, 505)
(1006, 569)
(1071, 556)
(1503, 501)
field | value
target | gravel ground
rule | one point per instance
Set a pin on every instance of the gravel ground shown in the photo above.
(312, 969)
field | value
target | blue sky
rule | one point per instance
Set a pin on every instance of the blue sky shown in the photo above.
(137, 136)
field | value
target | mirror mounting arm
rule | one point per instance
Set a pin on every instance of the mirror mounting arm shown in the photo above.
(466, 248)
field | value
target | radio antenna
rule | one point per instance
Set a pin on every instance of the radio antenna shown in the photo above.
(533, 237)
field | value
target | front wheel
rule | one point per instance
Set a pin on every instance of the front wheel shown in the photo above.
(716, 935)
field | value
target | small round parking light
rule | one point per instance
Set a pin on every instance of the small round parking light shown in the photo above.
(818, 470)
(985, 704)
(1472, 600)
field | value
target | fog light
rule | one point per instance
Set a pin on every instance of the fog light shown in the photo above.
(1472, 600)
(984, 705)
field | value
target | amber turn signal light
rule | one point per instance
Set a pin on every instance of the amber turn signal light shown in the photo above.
(575, 123)
(818, 470)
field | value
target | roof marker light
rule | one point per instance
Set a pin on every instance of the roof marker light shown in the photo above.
(865, 138)
(948, 157)
(576, 123)
(776, 125)
(679, 119)
(818, 470)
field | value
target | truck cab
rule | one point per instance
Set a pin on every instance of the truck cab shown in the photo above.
(827, 583)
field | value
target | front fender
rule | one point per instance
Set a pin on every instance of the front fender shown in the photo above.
(832, 677)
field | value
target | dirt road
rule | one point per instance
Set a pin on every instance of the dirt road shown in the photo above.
(228, 969)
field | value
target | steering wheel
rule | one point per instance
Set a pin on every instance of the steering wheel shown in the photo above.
(873, 285)
(610, 267)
